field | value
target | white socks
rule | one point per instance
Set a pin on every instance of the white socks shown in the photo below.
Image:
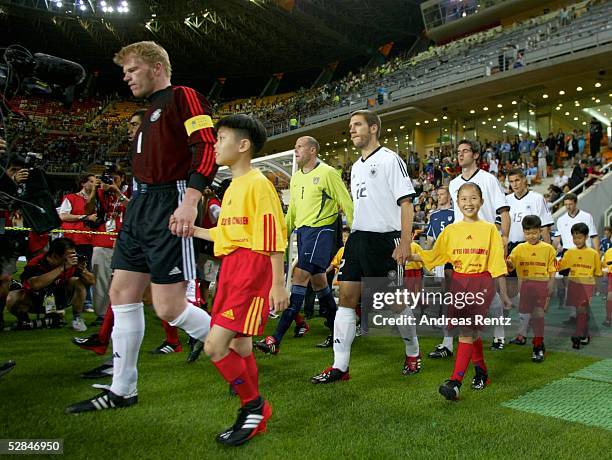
(344, 334)
(194, 321)
(408, 332)
(448, 342)
(523, 324)
(127, 335)
(496, 310)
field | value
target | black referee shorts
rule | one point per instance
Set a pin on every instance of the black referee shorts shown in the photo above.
(145, 244)
(369, 255)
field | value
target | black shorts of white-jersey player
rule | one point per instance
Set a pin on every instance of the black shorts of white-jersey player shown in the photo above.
(523, 202)
(379, 243)
(495, 204)
(317, 191)
(172, 161)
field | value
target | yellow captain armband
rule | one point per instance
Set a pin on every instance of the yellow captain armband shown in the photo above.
(198, 122)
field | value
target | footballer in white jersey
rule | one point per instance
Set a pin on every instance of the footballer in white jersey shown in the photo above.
(379, 243)
(524, 202)
(494, 198)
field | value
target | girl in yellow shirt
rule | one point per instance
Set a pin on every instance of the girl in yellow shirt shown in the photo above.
(476, 250)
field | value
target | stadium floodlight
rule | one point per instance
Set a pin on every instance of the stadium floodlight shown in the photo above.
(444, 117)
(82, 7)
(561, 93)
(59, 4)
(124, 3)
(544, 96)
(418, 123)
(110, 9)
(578, 88)
(485, 108)
(435, 119)
(472, 111)
(103, 3)
(597, 101)
(499, 106)
(598, 85)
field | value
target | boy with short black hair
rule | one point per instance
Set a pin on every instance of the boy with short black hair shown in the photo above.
(250, 237)
(535, 264)
(584, 265)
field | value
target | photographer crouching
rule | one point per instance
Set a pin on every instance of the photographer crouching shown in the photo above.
(60, 273)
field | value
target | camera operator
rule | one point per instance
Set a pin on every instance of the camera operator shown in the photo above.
(12, 243)
(59, 272)
(112, 201)
(77, 212)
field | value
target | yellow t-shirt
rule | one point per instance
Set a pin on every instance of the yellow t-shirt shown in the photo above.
(251, 217)
(472, 247)
(415, 249)
(607, 261)
(534, 261)
(584, 265)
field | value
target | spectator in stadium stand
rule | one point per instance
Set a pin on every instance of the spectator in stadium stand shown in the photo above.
(595, 136)
(579, 173)
(571, 147)
(561, 180)
(551, 143)
(542, 153)
(76, 209)
(112, 199)
(560, 144)
(581, 144)
(524, 149)
(59, 272)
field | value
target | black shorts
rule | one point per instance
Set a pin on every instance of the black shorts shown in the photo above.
(145, 244)
(369, 255)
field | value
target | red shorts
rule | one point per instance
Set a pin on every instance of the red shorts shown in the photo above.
(413, 279)
(242, 303)
(534, 294)
(473, 294)
(579, 295)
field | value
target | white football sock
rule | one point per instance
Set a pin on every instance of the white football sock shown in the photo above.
(496, 310)
(572, 311)
(344, 334)
(127, 335)
(448, 342)
(194, 321)
(408, 332)
(523, 324)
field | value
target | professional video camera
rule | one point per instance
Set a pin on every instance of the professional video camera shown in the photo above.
(39, 74)
(44, 75)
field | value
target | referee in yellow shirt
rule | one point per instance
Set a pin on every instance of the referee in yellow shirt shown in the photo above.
(317, 191)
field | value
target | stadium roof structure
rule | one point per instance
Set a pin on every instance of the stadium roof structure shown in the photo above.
(217, 38)
(278, 164)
